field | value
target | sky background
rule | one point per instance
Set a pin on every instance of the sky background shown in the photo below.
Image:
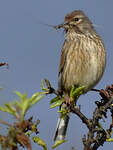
(33, 52)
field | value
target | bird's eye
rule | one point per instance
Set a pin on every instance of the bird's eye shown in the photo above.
(76, 19)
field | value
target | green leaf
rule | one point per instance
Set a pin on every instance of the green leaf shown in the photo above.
(19, 107)
(36, 98)
(109, 140)
(21, 96)
(47, 83)
(4, 109)
(57, 143)
(72, 90)
(43, 87)
(76, 92)
(100, 125)
(40, 142)
(57, 103)
(63, 112)
(18, 104)
(27, 103)
(9, 109)
(54, 100)
(34, 126)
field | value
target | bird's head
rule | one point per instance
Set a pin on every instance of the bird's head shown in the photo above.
(77, 21)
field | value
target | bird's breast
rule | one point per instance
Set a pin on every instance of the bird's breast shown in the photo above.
(84, 64)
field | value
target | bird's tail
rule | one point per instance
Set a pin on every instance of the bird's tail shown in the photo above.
(61, 129)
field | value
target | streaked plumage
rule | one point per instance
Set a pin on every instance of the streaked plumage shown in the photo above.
(83, 57)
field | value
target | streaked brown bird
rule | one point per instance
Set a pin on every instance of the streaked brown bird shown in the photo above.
(82, 62)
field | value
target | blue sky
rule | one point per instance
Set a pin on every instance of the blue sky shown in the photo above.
(33, 52)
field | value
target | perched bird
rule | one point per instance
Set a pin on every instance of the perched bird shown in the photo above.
(82, 62)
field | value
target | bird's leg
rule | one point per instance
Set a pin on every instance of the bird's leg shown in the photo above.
(67, 100)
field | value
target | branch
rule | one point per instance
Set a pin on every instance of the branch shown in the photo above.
(77, 111)
(97, 135)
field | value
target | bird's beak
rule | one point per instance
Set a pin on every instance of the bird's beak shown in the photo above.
(63, 25)
(59, 26)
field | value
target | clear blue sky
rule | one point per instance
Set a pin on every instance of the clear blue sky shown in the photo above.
(33, 52)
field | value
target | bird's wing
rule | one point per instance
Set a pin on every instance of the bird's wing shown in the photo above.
(62, 58)
(62, 65)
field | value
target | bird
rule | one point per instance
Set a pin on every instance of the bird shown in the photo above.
(82, 61)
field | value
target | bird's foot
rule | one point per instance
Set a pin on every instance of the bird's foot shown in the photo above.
(67, 100)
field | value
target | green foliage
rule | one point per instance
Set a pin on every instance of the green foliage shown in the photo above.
(109, 140)
(55, 102)
(20, 107)
(58, 101)
(57, 143)
(46, 90)
(75, 93)
(27, 103)
(63, 112)
(109, 135)
(21, 130)
(40, 142)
